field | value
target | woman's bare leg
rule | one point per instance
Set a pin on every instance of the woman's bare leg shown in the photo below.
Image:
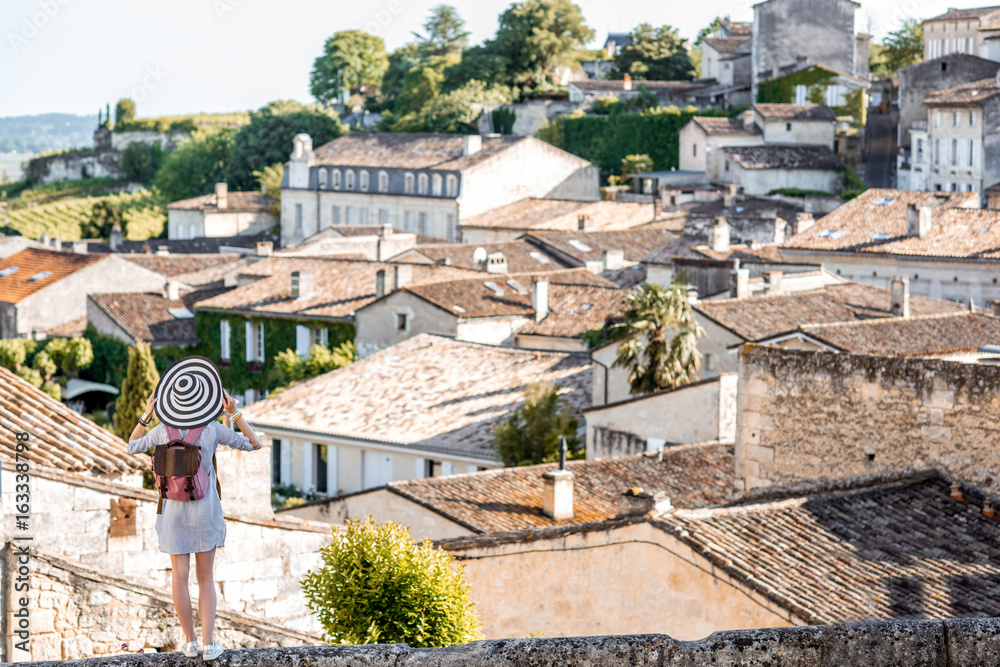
(179, 567)
(205, 570)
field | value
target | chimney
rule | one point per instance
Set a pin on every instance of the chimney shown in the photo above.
(638, 502)
(496, 262)
(803, 221)
(379, 283)
(172, 290)
(403, 275)
(988, 509)
(386, 231)
(162, 250)
(540, 298)
(473, 144)
(773, 280)
(221, 195)
(614, 259)
(729, 196)
(779, 230)
(900, 303)
(919, 220)
(302, 284)
(718, 235)
(265, 248)
(995, 308)
(57, 244)
(627, 82)
(80, 247)
(956, 492)
(558, 501)
(115, 240)
(739, 286)
(595, 266)
(583, 223)
(45, 240)
(749, 119)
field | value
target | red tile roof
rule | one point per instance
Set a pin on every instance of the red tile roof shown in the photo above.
(17, 285)
(173, 265)
(963, 14)
(716, 126)
(560, 215)
(974, 92)
(521, 256)
(911, 336)
(236, 201)
(581, 247)
(726, 45)
(146, 316)
(401, 150)
(773, 156)
(795, 112)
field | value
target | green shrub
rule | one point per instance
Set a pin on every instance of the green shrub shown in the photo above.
(531, 434)
(377, 586)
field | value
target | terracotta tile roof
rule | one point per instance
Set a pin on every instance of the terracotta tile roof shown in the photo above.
(768, 253)
(60, 438)
(766, 315)
(897, 336)
(146, 316)
(72, 329)
(973, 92)
(895, 551)
(726, 45)
(401, 150)
(521, 256)
(716, 126)
(739, 27)
(576, 309)
(340, 287)
(963, 14)
(31, 262)
(875, 223)
(217, 275)
(474, 297)
(508, 499)
(795, 111)
(773, 156)
(237, 201)
(581, 247)
(369, 230)
(200, 245)
(560, 215)
(429, 391)
(175, 265)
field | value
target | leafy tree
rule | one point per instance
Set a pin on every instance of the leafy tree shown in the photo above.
(270, 184)
(654, 360)
(458, 110)
(902, 47)
(479, 63)
(711, 30)
(38, 364)
(70, 355)
(420, 85)
(656, 54)
(140, 161)
(636, 164)
(531, 434)
(140, 382)
(200, 161)
(401, 61)
(124, 112)
(110, 358)
(103, 217)
(377, 586)
(268, 138)
(289, 367)
(536, 36)
(444, 32)
(351, 58)
(645, 99)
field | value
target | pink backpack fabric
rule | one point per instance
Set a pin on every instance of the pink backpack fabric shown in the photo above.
(178, 469)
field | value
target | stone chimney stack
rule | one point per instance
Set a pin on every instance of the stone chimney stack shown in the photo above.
(473, 144)
(265, 248)
(221, 195)
(773, 280)
(729, 196)
(919, 220)
(403, 275)
(779, 230)
(496, 262)
(583, 223)
(45, 239)
(627, 82)
(718, 235)
(300, 162)
(380, 283)
(57, 244)
(302, 284)
(386, 231)
(172, 290)
(803, 221)
(540, 298)
(638, 502)
(115, 241)
(900, 303)
(558, 500)
(995, 308)
(614, 259)
(739, 287)
(80, 247)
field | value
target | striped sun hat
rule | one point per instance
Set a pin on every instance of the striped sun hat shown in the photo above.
(189, 394)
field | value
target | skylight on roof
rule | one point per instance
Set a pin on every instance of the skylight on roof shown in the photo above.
(582, 247)
(516, 286)
(881, 237)
(459, 308)
(181, 313)
(495, 288)
(39, 276)
(831, 233)
(539, 257)
(586, 306)
(885, 201)
(9, 270)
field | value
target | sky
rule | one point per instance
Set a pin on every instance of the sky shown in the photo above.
(189, 56)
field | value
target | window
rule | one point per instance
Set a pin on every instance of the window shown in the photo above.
(432, 468)
(937, 119)
(972, 155)
(452, 186)
(349, 215)
(383, 181)
(409, 221)
(954, 152)
(259, 340)
(376, 469)
(321, 464)
(727, 165)
(972, 118)
(363, 176)
(349, 179)
(9, 270)
(920, 150)
(336, 215)
(408, 184)
(436, 182)
(788, 127)
(364, 216)
(423, 223)
(225, 335)
(422, 184)
(303, 339)
(298, 219)
(452, 230)
(402, 321)
(801, 94)
(957, 117)
(383, 216)
(833, 95)
(255, 341)
(336, 179)
(944, 64)
(319, 336)
(192, 231)
(322, 178)
(276, 461)
(694, 150)
(937, 151)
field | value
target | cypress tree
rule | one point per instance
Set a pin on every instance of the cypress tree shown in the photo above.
(140, 382)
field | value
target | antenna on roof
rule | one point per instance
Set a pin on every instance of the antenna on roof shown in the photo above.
(479, 255)
(562, 452)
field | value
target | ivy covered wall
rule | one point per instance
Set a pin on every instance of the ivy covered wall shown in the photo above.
(815, 79)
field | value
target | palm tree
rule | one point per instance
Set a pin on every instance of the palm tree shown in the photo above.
(656, 361)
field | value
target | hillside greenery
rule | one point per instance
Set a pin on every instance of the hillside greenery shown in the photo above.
(142, 214)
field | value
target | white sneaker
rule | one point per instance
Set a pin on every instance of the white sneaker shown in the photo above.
(212, 651)
(190, 649)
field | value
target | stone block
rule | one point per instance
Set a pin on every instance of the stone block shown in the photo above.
(46, 647)
(259, 590)
(973, 641)
(130, 543)
(89, 499)
(288, 607)
(232, 572)
(77, 544)
(760, 454)
(74, 648)
(231, 591)
(98, 598)
(43, 620)
(110, 562)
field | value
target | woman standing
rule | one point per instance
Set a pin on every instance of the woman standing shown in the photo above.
(189, 396)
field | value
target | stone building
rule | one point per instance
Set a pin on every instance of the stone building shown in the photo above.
(223, 213)
(510, 222)
(970, 31)
(423, 183)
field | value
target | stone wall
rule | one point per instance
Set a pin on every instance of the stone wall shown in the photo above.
(952, 643)
(809, 415)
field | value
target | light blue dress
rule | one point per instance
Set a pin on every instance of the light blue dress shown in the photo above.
(193, 526)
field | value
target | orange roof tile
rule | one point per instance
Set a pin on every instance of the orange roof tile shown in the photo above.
(24, 273)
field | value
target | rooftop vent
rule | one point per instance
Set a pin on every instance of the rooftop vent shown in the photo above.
(39, 276)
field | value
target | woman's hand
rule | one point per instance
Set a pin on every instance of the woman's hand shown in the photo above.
(149, 406)
(228, 403)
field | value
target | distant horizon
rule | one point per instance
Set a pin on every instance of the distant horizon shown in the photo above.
(223, 56)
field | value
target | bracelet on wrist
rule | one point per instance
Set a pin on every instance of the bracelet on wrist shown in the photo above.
(146, 421)
(238, 416)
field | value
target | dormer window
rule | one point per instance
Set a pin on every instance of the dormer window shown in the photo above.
(383, 181)
(452, 186)
(422, 184)
(322, 178)
(436, 182)
(336, 179)
(349, 179)
(363, 178)
(408, 184)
